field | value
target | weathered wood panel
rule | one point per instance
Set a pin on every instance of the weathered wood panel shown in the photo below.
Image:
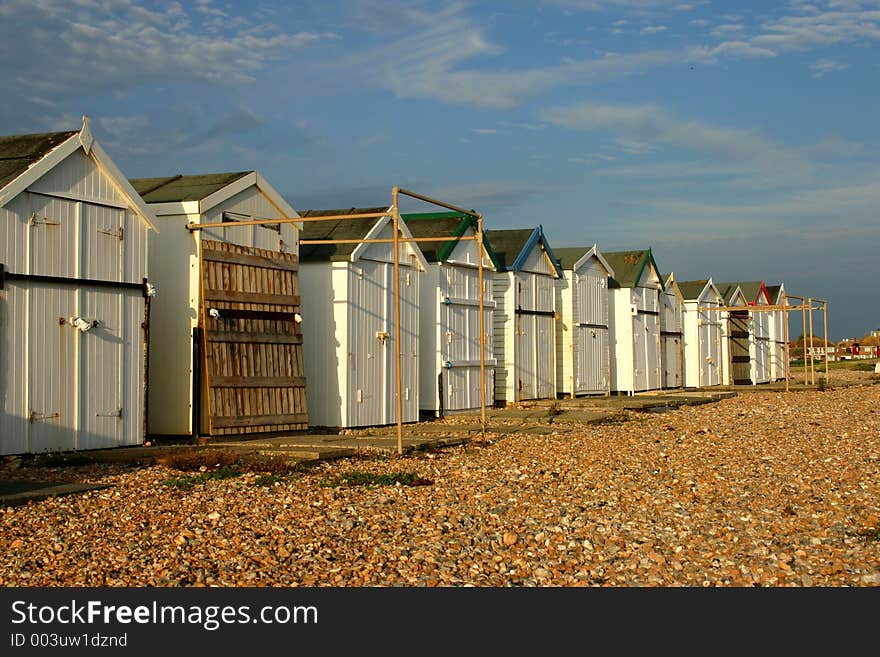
(252, 352)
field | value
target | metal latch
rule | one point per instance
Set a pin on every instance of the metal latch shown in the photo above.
(116, 413)
(34, 416)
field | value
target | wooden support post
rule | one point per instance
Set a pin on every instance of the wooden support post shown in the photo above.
(812, 344)
(804, 318)
(482, 294)
(397, 368)
(825, 335)
(787, 353)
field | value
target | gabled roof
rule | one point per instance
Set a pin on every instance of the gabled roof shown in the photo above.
(24, 159)
(571, 257)
(629, 266)
(775, 292)
(693, 289)
(441, 224)
(179, 188)
(346, 229)
(752, 291)
(670, 284)
(728, 291)
(341, 229)
(513, 245)
(19, 152)
(167, 195)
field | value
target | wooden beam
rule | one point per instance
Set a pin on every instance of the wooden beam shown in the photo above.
(191, 226)
(258, 382)
(221, 422)
(255, 338)
(434, 201)
(251, 297)
(246, 259)
(388, 240)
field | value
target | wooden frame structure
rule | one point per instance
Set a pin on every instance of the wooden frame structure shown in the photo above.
(805, 306)
(396, 192)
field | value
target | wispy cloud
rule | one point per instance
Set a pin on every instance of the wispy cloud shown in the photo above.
(431, 61)
(648, 126)
(822, 67)
(653, 29)
(117, 46)
(484, 131)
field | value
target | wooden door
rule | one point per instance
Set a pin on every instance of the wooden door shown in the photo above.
(739, 347)
(252, 344)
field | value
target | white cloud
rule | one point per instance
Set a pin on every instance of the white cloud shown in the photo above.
(649, 126)
(653, 29)
(118, 45)
(431, 61)
(484, 131)
(822, 67)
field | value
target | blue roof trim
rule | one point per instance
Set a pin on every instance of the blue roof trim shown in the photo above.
(536, 236)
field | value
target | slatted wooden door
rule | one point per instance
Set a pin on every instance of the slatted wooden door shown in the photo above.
(739, 347)
(252, 361)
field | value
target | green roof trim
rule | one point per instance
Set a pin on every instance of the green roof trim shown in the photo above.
(441, 226)
(629, 266)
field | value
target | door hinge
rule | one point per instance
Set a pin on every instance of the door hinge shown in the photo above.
(120, 233)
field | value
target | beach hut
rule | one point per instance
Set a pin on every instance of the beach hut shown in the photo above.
(736, 359)
(449, 314)
(348, 310)
(74, 296)
(777, 333)
(757, 294)
(756, 326)
(525, 315)
(583, 349)
(225, 348)
(635, 321)
(703, 333)
(671, 334)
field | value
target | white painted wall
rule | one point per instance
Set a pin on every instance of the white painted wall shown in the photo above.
(60, 388)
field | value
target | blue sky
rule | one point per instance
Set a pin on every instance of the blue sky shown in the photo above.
(738, 140)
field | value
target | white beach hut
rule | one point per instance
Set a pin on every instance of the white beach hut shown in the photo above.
(449, 314)
(703, 333)
(777, 333)
(760, 329)
(671, 333)
(583, 348)
(525, 315)
(348, 311)
(635, 321)
(225, 348)
(74, 296)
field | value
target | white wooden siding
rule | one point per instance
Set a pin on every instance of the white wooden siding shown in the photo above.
(503, 336)
(60, 388)
(582, 334)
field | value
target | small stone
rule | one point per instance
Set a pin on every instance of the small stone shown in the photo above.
(871, 580)
(213, 516)
(542, 573)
